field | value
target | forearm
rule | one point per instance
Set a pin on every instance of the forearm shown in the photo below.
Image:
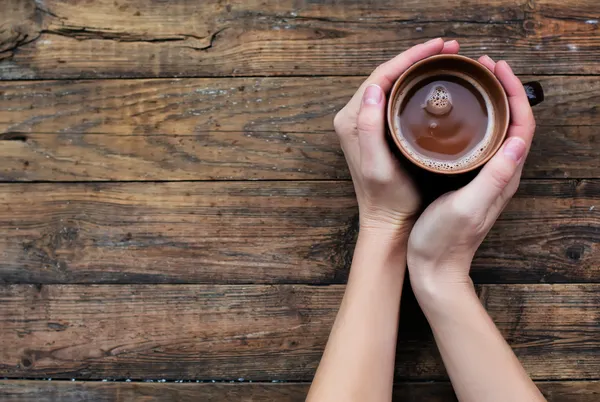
(358, 363)
(481, 365)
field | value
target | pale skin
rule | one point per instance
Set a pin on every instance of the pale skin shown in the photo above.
(437, 246)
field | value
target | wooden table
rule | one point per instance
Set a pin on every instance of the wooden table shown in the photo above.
(175, 206)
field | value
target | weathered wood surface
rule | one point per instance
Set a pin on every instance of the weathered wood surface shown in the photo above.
(263, 232)
(549, 233)
(557, 152)
(198, 236)
(133, 38)
(263, 332)
(163, 232)
(192, 106)
(206, 156)
(66, 391)
(204, 129)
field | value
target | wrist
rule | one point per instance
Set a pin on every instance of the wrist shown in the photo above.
(377, 239)
(441, 286)
(390, 234)
(379, 251)
(446, 300)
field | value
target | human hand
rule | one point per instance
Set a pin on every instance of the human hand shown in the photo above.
(445, 237)
(387, 198)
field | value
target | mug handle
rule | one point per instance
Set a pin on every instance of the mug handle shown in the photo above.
(534, 91)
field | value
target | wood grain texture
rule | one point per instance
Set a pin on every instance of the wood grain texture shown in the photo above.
(269, 232)
(263, 332)
(243, 156)
(133, 38)
(64, 391)
(164, 232)
(193, 106)
(75, 257)
(204, 129)
(206, 156)
(549, 233)
(275, 232)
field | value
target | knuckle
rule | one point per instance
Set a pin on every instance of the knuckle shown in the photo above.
(379, 69)
(468, 218)
(381, 73)
(342, 125)
(512, 187)
(462, 210)
(338, 121)
(501, 177)
(367, 122)
(375, 175)
(529, 123)
(532, 125)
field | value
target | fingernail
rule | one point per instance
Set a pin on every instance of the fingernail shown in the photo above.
(488, 58)
(373, 95)
(514, 149)
(450, 42)
(432, 40)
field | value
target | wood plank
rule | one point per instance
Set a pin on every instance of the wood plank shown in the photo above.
(67, 39)
(231, 129)
(263, 332)
(206, 156)
(164, 232)
(269, 232)
(65, 391)
(243, 156)
(193, 106)
(549, 229)
(554, 151)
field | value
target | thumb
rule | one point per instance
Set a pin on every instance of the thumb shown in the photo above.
(483, 191)
(375, 156)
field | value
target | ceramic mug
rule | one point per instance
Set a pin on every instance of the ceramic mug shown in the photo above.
(482, 79)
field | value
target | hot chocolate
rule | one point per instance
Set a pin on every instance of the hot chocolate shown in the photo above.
(444, 121)
(449, 114)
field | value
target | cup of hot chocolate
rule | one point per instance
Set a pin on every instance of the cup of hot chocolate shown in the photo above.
(449, 114)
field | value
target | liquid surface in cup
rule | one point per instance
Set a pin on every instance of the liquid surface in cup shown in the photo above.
(444, 121)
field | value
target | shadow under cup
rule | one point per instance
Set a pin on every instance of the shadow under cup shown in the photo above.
(465, 69)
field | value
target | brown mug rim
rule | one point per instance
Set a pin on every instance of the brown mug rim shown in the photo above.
(484, 70)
